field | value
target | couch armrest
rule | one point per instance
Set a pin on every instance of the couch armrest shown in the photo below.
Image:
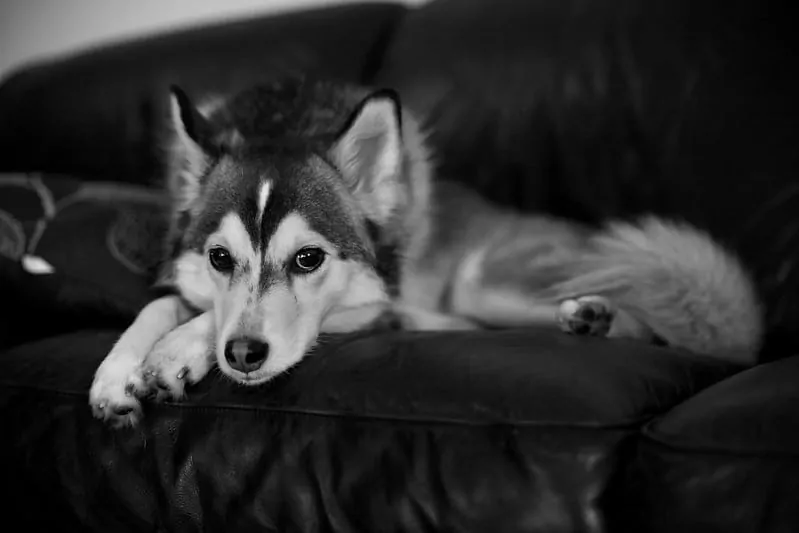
(725, 460)
(97, 113)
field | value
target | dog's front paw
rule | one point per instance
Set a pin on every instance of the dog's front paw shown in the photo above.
(587, 316)
(181, 358)
(117, 383)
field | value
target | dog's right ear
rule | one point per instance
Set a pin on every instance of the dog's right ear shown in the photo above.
(369, 153)
(188, 160)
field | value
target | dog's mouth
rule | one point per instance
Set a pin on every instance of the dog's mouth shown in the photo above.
(250, 379)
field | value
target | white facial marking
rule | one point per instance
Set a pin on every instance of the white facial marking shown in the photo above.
(194, 281)
(233, 235)
(229, 311)
(291, 234)
(263, 197)
(341, 295)
(364, 299)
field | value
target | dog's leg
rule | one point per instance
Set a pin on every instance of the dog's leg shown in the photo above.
(419, 319)
(119, 376)
(183, 356)
(481, 294)
(587, 315)
(512, 288)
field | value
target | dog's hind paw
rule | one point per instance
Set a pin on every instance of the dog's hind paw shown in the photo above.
(113, 395)
(586, 316)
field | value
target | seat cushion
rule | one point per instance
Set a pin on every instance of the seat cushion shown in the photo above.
(725, 460)
(518, 430)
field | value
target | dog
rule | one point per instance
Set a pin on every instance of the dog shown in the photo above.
(301, 207)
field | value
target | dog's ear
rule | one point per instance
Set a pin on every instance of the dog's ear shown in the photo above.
(369, 153)
(188, 160)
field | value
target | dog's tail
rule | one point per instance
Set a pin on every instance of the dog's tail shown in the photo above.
(678, 282)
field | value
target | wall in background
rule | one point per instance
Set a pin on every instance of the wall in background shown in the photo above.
(33, 29)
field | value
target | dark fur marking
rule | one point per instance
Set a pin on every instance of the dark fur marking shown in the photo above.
(195, 125)
(379, 94)
(386, 261)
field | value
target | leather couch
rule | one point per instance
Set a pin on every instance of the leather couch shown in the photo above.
(582, 108)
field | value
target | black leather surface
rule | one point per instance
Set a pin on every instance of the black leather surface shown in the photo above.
(98, 113)
(102, 242)
(398, 432)
(611, 108)
(585, 108)
(727, 460)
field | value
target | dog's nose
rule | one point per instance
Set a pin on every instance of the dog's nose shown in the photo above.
(246, 355)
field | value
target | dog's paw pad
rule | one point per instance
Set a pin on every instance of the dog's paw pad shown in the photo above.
(163, 386)
(586, 316)
(119, 413)
(114, 392)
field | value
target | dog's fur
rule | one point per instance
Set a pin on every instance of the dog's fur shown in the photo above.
(281, 167)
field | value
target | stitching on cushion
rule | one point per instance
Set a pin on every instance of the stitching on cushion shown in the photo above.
(263, 410)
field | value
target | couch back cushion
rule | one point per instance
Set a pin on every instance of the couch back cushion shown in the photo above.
(98, 113)
(611, 108)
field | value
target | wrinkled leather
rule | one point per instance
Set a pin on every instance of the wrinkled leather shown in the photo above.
(726, 460)
(513, 431)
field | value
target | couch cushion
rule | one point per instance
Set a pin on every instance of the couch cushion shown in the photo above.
(99, 112)
(726, 460)
(74, 253)
(514, 430)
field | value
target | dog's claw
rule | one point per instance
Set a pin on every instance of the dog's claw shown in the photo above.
(160, 387)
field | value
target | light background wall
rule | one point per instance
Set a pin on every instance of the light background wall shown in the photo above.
(33, 29)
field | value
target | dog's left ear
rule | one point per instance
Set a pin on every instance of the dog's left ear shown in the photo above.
(187, 153)
(369, 153)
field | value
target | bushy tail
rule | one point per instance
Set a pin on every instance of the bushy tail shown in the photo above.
(677, 281)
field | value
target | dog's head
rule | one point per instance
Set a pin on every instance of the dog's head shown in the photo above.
(290, 217)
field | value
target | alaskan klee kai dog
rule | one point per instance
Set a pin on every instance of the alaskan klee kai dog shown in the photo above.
(304, 207)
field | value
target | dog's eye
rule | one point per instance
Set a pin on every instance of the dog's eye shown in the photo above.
(220, 259)
(309, 259)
